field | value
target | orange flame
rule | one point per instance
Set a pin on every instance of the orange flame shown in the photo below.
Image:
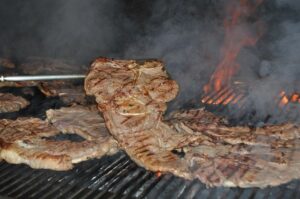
(158, 174)
(234, 41)
(284, 100)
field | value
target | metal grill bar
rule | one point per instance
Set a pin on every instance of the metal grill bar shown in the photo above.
(146, 187)
(16, 182)
(21, 186)
(118, 177)
(64, 184)
(157, 190)
(195, 188)
(132, 188)
(130, 178)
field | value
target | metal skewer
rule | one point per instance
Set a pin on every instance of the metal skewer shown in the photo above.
(40, 77)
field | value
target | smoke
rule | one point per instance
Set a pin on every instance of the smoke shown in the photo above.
(292, 4)
(281, 65)
(73, 29)
(186, 35)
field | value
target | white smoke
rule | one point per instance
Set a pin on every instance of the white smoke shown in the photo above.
(186, 35)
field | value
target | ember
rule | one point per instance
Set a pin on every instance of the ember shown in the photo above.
(285, 99)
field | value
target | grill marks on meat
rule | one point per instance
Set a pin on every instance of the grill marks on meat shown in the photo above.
(24, 128)
(23, 141)
(241, 156)
(11, 103)
(200, 115)
(132, 96)
(148, 150)
(120, 90)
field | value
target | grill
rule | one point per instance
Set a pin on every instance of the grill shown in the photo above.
(117, 176)
(236, 103)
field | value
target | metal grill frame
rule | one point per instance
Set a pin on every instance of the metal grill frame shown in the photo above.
(119, 177)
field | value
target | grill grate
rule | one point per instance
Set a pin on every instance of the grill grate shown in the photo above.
(235, 104)
(118, 177)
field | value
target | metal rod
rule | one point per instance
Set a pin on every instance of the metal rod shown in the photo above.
(39, 77)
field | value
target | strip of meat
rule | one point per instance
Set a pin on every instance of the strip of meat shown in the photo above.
(132, 96)
(240, 156)
(25, 128)
(49, 66)
(11, 103)
(7, 63)
(84, 121)
(223, 165)
(65, 90)
(18, 84)
(276, 135)
(200, 115)
(24, 141)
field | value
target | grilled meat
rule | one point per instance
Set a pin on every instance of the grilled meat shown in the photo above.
(84, 121)
(67, 91)
(132, 96)
(7, 63)
(18, 84)
(11, 103)
(47, 154)
(240, 156)
(28, 140)
(274, 135)
(42, 66)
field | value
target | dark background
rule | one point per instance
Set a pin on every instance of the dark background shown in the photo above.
(186, 35)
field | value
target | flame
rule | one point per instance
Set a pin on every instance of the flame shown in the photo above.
(229, 99)
(285, 99)
(158, 174)
(295, 98)
(234, 41)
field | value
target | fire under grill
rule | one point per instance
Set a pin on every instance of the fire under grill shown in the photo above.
(118, 176)
(235, 103)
